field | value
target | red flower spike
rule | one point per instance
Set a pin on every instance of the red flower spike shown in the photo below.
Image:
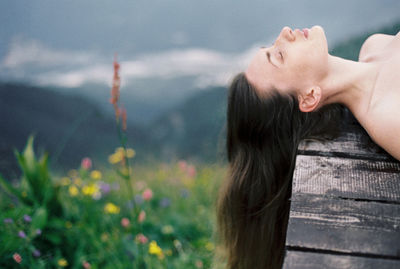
(123, 119)
(115, 87)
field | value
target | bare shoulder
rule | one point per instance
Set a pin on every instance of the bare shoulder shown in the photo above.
(383, 126)
(374, 44)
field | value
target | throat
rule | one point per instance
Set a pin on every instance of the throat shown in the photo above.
(350, 83)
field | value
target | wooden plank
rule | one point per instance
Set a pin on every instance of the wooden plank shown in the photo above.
(347, 178)
(348, 226)
(351, 145)
(312, 260)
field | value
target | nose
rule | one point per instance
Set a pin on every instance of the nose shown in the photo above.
(287, 34)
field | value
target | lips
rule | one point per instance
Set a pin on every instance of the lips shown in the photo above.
(305, 31)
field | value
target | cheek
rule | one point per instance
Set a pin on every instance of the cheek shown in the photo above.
(310, 64)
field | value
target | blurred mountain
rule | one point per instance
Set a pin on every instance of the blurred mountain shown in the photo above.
(144, 101)
(193, 130)
(68, 127)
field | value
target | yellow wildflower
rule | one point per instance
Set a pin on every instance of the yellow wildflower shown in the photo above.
(95, 174)
(209, 246)
(78, 181)
(62, 262)
(130, 153)
(115, 158)
(65, 181)
(90, 189)
(167, 229)
(111, 208)
(73, 190)
(156, 250)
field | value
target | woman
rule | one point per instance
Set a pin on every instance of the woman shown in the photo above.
(291, 91)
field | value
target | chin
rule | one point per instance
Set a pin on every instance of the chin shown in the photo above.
(320, 33)
(318, 27)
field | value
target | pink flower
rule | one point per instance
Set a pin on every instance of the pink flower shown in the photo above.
(191, 171)
(182, 165)
(142, 216)
(199, 264)
(86, 265)
(86, 163)
(17, 258)
(125, 222)
(147, 194)
(141, 238)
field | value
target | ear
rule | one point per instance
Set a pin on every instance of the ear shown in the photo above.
(309, 100)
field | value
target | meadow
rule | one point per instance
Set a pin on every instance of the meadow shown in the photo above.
(163, 216)
(122, 215)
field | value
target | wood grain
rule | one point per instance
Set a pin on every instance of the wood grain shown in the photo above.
(347, 178)
(349, 145)
(312, 260)
(347, 226)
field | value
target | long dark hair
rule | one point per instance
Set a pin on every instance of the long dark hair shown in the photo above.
(263, 133)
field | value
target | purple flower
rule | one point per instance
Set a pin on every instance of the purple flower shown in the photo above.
(38, 232)
(8, 220)
(184, 193)
(165, 202)
(105, 188)
(27, 218)
(138, 199)
(21, 234)
(36, 253)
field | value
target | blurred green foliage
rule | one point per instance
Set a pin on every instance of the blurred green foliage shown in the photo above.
(87, 217)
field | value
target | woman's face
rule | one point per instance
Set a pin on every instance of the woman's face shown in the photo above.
(293, 63)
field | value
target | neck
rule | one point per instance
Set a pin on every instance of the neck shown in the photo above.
(349, 83)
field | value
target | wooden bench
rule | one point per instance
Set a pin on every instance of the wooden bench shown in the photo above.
(345, 205)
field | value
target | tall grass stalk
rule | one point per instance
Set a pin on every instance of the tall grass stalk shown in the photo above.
(120, 114)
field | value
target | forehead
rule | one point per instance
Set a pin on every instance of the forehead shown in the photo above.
(259, 71)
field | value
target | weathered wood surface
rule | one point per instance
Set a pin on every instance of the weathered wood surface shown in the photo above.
(343, 225)
(347, 178)
(313, 260)
(348, 145)
(345, 206)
